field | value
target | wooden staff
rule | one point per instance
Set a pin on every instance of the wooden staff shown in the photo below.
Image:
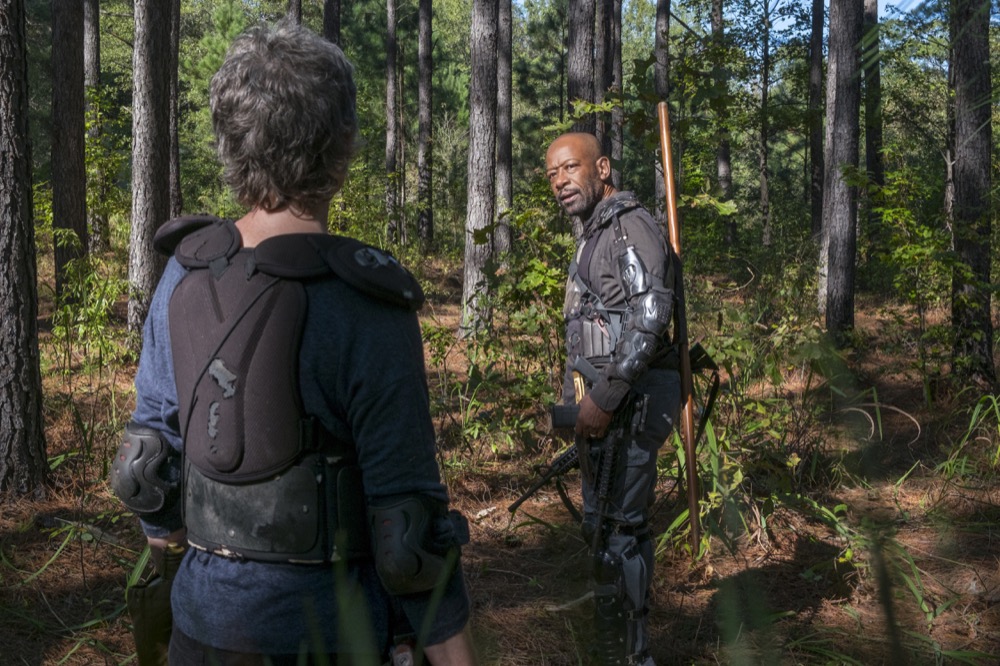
(680, 329)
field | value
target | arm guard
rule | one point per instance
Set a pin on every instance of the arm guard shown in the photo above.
(416, 542)
(136, 470)
(647, 318)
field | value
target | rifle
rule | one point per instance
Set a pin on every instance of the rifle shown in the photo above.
(680, 328)
(563, 418)
(566, 461)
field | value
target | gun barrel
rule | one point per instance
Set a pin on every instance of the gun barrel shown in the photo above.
(563, 463)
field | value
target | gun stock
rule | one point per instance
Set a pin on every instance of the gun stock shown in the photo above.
(680, 328)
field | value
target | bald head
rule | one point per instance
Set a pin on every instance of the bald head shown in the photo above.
(579, 174)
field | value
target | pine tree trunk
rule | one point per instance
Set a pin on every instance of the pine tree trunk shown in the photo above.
(392, 177)
(661, 85)
(331, 21)
(764, 128)
(816, 170)
(505, 160)
(580, 86)
(971, 223)
(425, 147)
(176, 196)
(843, 110)
(723, 157)
(23, 462)
(482, 165)
(150, 154)
(69, 175)
(97, 217)
(295, 11)
(873, 118)
(618, 112)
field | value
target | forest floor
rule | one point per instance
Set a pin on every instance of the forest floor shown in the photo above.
(784, 595)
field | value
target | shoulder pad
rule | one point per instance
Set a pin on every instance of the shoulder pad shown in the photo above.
(622, 203)
(212, 242)
(170, 234)
(369, 270)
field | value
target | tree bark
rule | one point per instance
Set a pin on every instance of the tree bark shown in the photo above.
(150, 154)
(505, 147)
(971, 221)
(23, 463)
(392, 177)
(661, 85)
(618, 111)
(604, 68)
(97, 217)
(69, 175)
(176, 196)
(295, 11)
(331, 21)
(873, 117)
(580, 84)
(481, 166)
(723, 157)
(816, 169)
(762, 154)
(425, 141)
(843, 110)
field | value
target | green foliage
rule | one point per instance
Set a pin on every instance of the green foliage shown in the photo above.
(514, 366)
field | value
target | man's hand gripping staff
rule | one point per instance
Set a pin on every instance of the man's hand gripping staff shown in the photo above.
(681, 335)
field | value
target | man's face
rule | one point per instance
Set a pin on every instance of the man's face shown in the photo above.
(574, 173)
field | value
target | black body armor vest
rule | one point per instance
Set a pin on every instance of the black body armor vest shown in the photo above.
(262, 479)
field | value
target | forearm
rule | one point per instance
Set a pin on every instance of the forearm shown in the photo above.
(454, 651)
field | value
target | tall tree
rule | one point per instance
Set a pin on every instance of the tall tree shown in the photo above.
(150, 153)
(723, 156)
(69, 175)
(580, 58)
(97, 187)
(176, 196)
(604, 68)
(295, 11)
(871, 59)
(608, 81)
(481, 188)
(392, 174)
(505, 145)
(425, 143)
(617, 85)
(331, 20)
(23, 462)
(763, 172)
(816, 169)
(971, 217)
(661, 85)
(843, 111)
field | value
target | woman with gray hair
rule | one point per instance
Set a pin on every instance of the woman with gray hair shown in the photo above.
(282, 425)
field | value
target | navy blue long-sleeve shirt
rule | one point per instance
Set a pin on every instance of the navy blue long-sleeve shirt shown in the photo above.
(361, 373)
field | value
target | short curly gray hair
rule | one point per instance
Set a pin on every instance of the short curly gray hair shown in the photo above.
(283, 111)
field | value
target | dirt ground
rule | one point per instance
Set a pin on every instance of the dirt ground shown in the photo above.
(781, 598)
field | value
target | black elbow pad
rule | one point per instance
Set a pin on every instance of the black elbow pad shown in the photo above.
(136, 477)
(415, 541)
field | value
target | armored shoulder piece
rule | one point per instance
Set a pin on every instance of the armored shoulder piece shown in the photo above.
(171, 233)
(203, 241)
(368, 269)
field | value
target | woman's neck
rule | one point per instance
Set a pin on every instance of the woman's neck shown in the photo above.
(259, 224)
